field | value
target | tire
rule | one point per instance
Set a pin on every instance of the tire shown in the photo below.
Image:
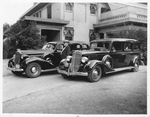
(136, 66)
(64, 76)
(33, 70)
(107, 60)
(95, 74)
(18, 73)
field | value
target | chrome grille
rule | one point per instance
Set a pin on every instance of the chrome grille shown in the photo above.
(17, 57)
(76, 60)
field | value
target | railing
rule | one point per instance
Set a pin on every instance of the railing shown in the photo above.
(124, 12)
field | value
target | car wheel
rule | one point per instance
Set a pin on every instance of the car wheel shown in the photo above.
(33, 70)
(107, 60)
(17, 72)
(95, 74)
(136, 66)
(64, 76)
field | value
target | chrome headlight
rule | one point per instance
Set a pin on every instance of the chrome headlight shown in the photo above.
(84, 59)
(68, 58)
(17, 66)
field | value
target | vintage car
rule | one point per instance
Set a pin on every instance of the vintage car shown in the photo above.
(105, 56)
(33, 62)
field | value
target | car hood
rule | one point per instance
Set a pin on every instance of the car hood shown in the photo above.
(91, 52)
(34, 52)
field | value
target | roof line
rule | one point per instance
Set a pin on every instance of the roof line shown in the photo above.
(136, 5)
(29, 10)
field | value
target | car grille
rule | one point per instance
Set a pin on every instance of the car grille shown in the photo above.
(17, 57)
(76, 60)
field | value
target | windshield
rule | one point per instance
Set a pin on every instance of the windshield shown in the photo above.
(100, 46)
(49, 46)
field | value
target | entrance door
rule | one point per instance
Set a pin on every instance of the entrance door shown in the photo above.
(51, 35)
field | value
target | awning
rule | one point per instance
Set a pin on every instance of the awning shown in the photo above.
(44, 20)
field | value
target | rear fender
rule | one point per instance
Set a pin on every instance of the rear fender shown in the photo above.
(133, 60)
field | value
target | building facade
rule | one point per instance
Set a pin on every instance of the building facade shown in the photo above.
(85, 21)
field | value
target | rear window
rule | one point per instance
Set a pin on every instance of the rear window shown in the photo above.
(101, 46)
(75, 47)
(122, 46)
(85, 47)
(136, 46)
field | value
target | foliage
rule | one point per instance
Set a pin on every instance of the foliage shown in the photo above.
(23, 35)
(5, 27)
(140, 35)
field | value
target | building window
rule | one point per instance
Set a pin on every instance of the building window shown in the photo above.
(49, 11)
(69, 33)
(93, 8)
(69, 38)
(69, 6)
(103, 10)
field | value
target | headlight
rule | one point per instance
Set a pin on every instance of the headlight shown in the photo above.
(17, 66)
(68, 58)
(84, 59)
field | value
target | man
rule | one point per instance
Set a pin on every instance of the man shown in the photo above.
(66, 50)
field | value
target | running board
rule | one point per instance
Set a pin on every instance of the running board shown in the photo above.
(54, 69)
(120, 69)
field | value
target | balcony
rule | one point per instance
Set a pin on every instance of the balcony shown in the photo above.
(123, 15)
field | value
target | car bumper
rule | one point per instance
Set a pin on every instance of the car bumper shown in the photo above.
(14, 69)
(72, 73)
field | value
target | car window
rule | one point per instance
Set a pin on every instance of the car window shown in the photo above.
(127, 46)
(122, 46)
(49, 47)
(117, 47)
(136, 46)
(85, 47)
(100, 46)
(75, 47)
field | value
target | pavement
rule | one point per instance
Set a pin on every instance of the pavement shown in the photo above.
(118, 93)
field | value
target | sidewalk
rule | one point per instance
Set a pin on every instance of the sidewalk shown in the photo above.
(5, 71)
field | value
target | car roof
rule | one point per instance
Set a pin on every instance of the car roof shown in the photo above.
(71, 42)
(115, 39)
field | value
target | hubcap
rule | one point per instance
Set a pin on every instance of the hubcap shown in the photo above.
(34, 69)
(95, 73)
(136, 66)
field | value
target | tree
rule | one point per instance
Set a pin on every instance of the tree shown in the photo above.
(24, 35)
(5, 27)
(138, 34)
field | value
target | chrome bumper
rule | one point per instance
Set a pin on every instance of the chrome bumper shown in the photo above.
(72, 73)
(14, 69)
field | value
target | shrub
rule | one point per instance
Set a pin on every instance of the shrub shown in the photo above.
(23, 35)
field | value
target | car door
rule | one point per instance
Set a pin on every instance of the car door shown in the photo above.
(120, 57)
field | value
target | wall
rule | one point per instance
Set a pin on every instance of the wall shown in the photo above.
(44, 12)
(56, 10)
(81, 21)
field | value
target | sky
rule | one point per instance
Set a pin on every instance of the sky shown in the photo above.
(12, 11)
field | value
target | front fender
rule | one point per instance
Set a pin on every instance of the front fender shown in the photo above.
(33, 59)
(91, 64)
